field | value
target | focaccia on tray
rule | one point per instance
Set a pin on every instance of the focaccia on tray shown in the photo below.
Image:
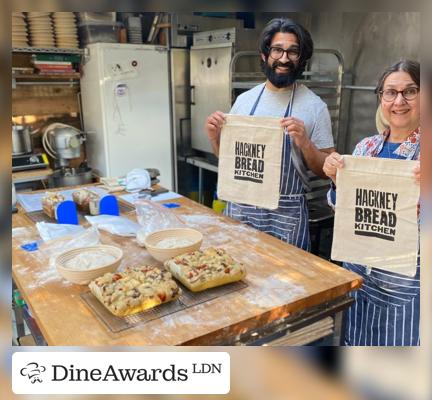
(135, 289)
(204, 269)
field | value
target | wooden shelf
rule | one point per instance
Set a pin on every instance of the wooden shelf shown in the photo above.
(31, 175)
(38, 77)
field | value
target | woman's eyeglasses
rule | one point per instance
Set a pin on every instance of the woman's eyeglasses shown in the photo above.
(276, 53)
(408, 94)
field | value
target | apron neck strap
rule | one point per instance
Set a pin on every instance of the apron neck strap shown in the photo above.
(288, 110)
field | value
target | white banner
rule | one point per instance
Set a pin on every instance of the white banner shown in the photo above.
(121, 373)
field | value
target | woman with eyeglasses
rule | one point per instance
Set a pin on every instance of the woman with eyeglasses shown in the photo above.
(285, 48)
(386, 310)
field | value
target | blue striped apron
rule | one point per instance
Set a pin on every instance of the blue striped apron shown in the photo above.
(386, 311)
(290, 221)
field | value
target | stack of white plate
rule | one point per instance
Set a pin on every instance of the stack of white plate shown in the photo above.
(65, 28)
(41, 29)
(19, 30)
(134, 30)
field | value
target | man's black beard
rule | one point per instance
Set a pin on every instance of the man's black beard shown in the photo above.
(278, 79)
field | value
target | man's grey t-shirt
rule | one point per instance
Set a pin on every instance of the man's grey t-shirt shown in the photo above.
(307, 106)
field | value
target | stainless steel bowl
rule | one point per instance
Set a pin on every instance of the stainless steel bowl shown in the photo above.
(72, 177)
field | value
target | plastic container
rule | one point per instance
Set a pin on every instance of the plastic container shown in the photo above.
(102, 17)
(99, 32)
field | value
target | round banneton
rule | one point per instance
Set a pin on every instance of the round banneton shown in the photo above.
(163, 254)
(84, 276)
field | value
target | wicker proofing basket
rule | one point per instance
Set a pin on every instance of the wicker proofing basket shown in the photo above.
(181, 233)
(83, 277)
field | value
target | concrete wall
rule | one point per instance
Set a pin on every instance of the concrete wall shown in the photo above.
(369, 42)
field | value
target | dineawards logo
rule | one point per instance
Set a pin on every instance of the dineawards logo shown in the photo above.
(120, 373)
(61, 373)
(33, 371)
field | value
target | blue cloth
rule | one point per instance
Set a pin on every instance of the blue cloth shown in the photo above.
(171, 205)
(386, 309)
(290, 221)
(388, 150)
(33, 246)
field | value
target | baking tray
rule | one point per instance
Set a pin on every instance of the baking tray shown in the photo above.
(40, 216)
(190, 299)
(187, 299)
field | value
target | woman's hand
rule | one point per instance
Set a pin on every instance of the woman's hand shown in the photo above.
(331, 164)
(214, 124)
(296, 129)
(416, 171)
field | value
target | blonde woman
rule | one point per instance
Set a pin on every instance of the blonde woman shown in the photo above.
(386, 310)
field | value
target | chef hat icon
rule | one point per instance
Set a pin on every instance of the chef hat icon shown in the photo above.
(33, 371)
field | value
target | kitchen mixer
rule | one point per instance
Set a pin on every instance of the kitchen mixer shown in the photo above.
(63, 143)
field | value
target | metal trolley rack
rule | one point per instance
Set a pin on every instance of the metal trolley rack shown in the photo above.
(326, 84)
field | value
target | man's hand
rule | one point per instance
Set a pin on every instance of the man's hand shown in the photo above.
(214, 124)
(296, 129)
(314, 157)
(331, 164)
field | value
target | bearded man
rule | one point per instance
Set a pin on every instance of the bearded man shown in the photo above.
(285, 48)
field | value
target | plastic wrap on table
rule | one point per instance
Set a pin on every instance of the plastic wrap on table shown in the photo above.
(49, 231)
(114, 224)
(153, 217)
(52, 248)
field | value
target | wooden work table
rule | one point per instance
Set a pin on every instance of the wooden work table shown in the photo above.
(283, 282)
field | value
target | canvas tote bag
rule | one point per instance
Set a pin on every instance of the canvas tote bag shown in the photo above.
(376, 214)
(250, 156)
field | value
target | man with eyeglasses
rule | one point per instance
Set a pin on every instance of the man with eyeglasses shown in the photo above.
(285, 48)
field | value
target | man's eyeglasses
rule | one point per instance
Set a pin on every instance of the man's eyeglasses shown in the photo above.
(276, 53)
(408, 94)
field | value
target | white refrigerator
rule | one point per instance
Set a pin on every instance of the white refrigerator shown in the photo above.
(125, 95)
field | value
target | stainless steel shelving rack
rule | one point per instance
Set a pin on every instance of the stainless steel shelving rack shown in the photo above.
(53, 50)
(326, 84)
